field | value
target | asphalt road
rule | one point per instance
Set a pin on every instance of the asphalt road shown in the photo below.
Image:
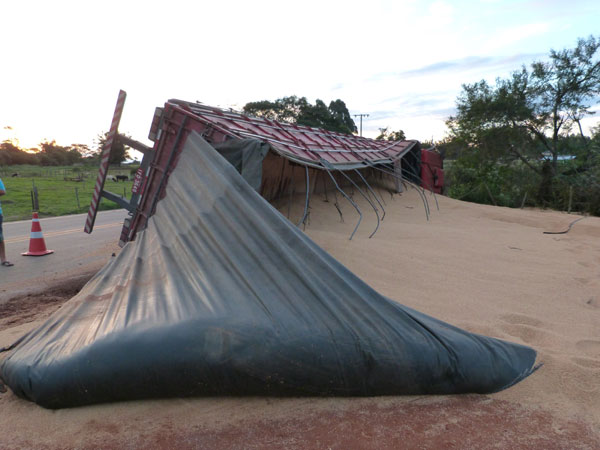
(75, 252)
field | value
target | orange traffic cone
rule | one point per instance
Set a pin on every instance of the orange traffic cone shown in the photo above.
(37, 246)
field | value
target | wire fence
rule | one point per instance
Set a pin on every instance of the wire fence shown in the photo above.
(58, 191)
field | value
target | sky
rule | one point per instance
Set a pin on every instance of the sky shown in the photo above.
(402, 62)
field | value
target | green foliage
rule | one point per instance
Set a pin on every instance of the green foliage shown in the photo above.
(518, 130)
(468, 177)
(503, 185)
(48, 154)
(334, 117)
(57, 197)
(386, 135)
(583, 179)
(11, 154)
(84, 150)
(524, 116)
(51, 154)
(341, 116)
(451, 148)
(119, 152)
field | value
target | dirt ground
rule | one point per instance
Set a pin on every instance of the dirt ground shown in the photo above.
(38, 306)
(488, 270)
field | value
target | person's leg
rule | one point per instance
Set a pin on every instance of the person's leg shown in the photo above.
(3, 260)
(2, 251)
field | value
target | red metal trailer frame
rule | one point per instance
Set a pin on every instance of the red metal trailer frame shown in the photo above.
(311, 147)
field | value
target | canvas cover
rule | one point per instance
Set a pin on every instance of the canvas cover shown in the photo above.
(221, 294)
(246, 155)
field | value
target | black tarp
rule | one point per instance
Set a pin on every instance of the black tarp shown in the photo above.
(246, 155)
(222, 295)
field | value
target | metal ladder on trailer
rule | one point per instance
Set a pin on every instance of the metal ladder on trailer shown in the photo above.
(138, 187)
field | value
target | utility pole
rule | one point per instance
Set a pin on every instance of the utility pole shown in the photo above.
(361, 116)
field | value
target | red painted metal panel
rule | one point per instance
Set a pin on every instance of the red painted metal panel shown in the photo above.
(137, 182)
(439, 182)
(432, 158)
(297, 141)
(432, 173)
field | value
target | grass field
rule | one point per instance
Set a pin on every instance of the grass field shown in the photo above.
(58, 193)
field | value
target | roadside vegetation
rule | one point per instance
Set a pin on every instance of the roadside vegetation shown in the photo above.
(63, 177)
(520, 142)
(61, 190)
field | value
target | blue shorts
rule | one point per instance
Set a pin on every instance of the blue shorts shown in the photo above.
(1, 236)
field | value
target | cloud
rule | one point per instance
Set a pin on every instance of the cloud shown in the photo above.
(443, 66)
(418, 109)
(382, 115)
(509, 36)
(440, 13)
(438, 106)
(464, 64)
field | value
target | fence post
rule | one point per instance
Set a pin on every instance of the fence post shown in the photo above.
(570, 199)
(35, 205)
(77, 197)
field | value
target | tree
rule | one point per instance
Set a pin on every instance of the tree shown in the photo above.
(84, 150)
(385, 135)
(527, 116)
(334, 117)
(342, 116)
(51, 154)
(119, 153)
(286, 109)
(10, 154)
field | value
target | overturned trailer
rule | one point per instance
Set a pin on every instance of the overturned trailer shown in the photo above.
(278, 159)
(220, 294)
